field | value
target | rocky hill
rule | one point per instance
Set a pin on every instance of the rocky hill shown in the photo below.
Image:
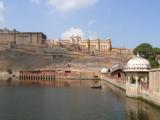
(30, 59)
(17, 60)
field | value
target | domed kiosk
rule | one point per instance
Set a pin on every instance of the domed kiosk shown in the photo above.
(137, 71)
(104, 70)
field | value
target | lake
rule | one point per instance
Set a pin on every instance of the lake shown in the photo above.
(71, 103)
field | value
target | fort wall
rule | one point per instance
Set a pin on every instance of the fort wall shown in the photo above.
(15, 39)
(12, 39)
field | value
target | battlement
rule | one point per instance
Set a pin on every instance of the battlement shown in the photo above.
(13, 38)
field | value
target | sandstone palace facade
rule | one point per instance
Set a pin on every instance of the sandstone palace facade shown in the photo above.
(84, 44)
(14, 38)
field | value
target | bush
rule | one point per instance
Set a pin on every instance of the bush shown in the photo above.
(148, 52)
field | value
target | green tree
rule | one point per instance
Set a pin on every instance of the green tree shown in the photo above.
(157, 51)
(148, 52)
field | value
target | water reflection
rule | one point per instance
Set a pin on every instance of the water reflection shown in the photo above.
(21, 103)
(135, 109)
(138, 110)
(79, 103)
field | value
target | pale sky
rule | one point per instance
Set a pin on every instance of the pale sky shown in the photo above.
(127, 22)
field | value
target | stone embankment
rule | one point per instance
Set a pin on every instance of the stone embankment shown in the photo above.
(50, 78)
(146, 95)
(57, 83)
(115, 83)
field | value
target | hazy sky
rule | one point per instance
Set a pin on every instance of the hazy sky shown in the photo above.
(127, 22)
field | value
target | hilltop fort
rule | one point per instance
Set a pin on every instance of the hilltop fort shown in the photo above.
(22, 50)
(15, 39)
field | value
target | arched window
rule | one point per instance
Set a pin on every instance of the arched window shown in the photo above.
(133, 81)
(119, 75)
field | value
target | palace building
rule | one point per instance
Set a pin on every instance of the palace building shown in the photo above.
(12, 38)
(92, 45)
(16, 39)
(86, 44)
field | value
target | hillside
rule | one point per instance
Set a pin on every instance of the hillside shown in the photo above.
(17, 60)
(21, 59)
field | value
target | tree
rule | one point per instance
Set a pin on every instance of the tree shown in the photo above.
(144, 50)
(148, 52)
(157, 51)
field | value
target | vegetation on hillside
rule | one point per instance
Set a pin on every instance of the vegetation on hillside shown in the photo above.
(148, 52)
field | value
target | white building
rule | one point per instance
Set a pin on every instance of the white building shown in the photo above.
(137, 71)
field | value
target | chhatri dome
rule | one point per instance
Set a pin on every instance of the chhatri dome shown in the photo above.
(138, 64)
(104, 70)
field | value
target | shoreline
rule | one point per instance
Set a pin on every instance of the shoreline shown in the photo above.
(148, 99)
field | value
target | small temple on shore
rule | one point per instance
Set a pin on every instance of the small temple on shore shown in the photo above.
(137, 71)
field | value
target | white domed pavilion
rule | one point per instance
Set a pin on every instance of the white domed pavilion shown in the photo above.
(104, 70)
(137, 71)
(138, 64)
